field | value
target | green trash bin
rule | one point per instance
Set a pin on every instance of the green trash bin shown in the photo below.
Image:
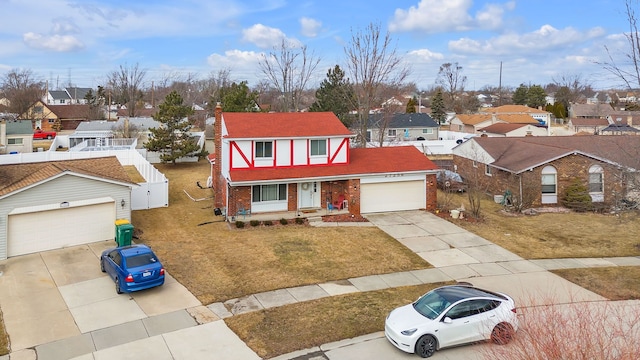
(124, 232)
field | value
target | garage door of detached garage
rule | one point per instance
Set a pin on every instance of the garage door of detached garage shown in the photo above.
(392, 196)
(54, 229)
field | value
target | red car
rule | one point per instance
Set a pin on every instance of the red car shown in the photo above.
(40, 135)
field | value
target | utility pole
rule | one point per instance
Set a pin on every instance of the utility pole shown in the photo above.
(500, 87)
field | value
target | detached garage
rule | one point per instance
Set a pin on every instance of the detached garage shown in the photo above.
(51, 205)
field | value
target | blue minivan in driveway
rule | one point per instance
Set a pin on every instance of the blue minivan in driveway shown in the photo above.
(132, 268)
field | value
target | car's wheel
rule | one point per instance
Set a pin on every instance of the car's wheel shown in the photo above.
(502, 333)
(102, 265)
(426, 346)
(49, 137)
(118, 290)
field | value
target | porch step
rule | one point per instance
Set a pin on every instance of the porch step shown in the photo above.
(314, 219)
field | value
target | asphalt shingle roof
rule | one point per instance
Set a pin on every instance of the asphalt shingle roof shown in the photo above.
(14, 177)
(395, 159)
(518, 154)
(283, 125)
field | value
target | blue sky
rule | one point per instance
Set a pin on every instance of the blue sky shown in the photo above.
(536, 40)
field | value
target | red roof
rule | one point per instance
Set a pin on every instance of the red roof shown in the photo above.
(283, 125)
(371, 161)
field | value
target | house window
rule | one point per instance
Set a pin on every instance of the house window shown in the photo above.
(37, 109)
(51, 121)
(475, 164)
(274, 192)
(264, 149)
(62, 101)
(427, 131)
(16, 141)
(596, 176)
(549, 180)
(391, 132)
(318, 147)
(487, 170)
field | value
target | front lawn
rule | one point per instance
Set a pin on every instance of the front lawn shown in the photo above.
(217, 262)
(555, 235)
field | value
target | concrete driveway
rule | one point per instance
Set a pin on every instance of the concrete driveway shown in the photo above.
(59, 305)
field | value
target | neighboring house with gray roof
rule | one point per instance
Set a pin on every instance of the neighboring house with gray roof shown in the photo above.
(538, 170)
(56, 204)
(68, 96)
(102, 129)
(16, 136)
(402, 127)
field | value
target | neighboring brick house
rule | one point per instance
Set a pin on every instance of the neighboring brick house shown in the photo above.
(274, 162)
(44, 116)
(541, 168)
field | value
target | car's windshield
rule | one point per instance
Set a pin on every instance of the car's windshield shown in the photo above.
(431, 305)
(140, 260)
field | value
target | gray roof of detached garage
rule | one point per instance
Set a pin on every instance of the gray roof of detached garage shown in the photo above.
(517, 154)
(19, 127)
(15, 177)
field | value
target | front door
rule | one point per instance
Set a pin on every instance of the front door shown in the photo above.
(307, 194)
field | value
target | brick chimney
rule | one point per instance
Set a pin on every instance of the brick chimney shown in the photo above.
(219, 183)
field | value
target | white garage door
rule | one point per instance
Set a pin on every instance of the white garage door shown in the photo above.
(392, 196)
(54, 229)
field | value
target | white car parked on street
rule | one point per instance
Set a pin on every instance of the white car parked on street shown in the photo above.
(449, 316)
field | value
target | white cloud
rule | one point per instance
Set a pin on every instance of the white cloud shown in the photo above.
(243, 64)
(540, 41)
(58, 43)
(434, 16)
(263, 36)
(64, 26)
(425, 55)
(310, 27)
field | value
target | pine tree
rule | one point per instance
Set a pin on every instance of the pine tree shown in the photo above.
(520, 95)
(238, 98)
(437, 107)
(172, 138)
(536, 97)
(411, 105)
(336, 95)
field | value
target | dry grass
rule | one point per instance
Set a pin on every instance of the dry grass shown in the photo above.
(281, 330)
(613, 283)
(4, 338)
(556, 235)
(217, 262)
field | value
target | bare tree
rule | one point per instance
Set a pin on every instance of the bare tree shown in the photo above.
(22, 89)
(452, 81)
(627, 70)
(289, 68)
(372, 60)
(126, 85)
(575, 83)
